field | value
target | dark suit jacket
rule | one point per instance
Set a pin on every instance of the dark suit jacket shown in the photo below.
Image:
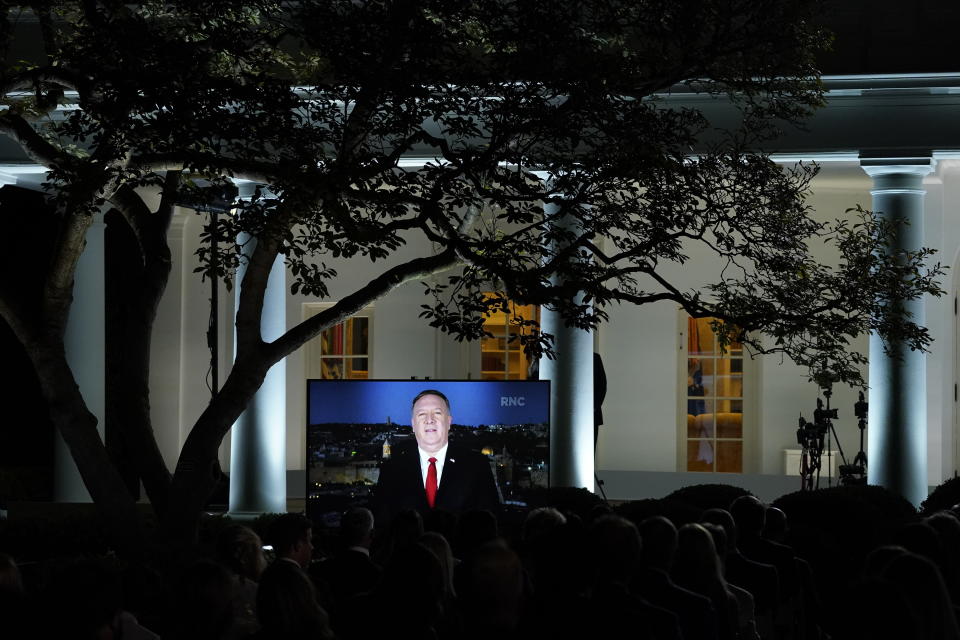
(466, 483)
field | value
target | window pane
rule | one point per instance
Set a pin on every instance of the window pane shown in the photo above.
(730, 456)
(332, 368)
(493, 362)
(357, 336)
(523, 365)
(700, 339)
(703, 422)
(734, 348)
(357, 368)
(331, 341)
(714, 392)
(526, 312)
(730, 406)
(501, 355)
(517, 365)
(495, 343)
(729, 425)
(699, 406)
(700, 377)
(699, 455)
(728, 384)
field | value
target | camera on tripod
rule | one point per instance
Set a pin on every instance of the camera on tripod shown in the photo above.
(823, 416)
(813, 435)
(810, 435)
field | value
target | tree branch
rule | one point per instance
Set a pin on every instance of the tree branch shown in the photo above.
(36, 147)
(415, 269)
(58, 287)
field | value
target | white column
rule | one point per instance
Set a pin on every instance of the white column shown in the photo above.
(258, 481)
(166, 350)
(571, 394)
(85, 343)
(897, 430)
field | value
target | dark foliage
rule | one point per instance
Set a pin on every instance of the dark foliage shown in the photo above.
(945, 496)
(577, 501)
(709, 496)
(677, 512)
(834, 529)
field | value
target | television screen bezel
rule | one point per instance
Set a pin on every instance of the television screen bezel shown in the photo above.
(427, 383)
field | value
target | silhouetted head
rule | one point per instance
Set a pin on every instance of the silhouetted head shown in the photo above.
(748, 513)
(412, 586)
(475, 528)
(540, 521)
(697, 565)
(723, 519)
(356, 527)
(615, 548)
(240, 550)
(436, 543)
(875, 564)
(659, 542)
(719, 540)
(921, 538)
(291, 535)
(774, 524)
(406, 528)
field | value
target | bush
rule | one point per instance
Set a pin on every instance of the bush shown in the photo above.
(709, 496)
(943, 497)
(580, 502)
(834, 529)
(677, 512)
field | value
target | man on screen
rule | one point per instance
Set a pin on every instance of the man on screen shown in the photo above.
(437, 475)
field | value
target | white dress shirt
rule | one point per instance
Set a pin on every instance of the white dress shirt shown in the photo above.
(441, 457)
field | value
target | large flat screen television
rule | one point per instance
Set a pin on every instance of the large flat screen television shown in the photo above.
(353, 425)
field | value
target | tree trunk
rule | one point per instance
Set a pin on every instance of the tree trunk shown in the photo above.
(135, 284)
(198, 469)
(78, 425)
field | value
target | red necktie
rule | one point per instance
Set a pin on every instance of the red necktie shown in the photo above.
(432, 482)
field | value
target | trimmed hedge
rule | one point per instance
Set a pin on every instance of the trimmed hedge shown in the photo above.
(943, 497)
(709, 496)
(577, 501)
(834, 529)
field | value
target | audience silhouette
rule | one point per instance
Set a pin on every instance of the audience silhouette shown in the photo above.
(549, 575)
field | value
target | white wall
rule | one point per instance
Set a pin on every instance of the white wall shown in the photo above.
(640, 348)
